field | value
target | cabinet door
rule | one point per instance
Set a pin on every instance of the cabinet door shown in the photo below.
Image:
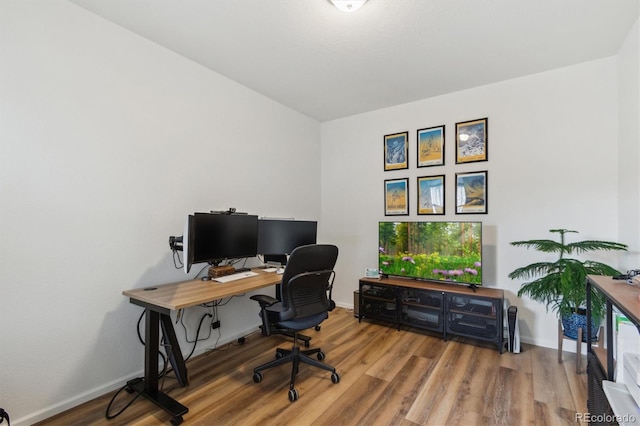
(472, 316)
(378, 302)
(421, 308)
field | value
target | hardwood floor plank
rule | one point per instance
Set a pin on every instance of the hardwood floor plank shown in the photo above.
(398, 396)
(476, 386)
(550, 384)
(434, 401)
(520, 361)
(577, 386)
(346, 411)
(388, 377)
(394, 358)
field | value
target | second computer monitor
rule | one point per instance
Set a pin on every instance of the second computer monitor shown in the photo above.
(280, 237)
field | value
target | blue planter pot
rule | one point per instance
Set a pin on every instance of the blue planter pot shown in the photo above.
(572, 322)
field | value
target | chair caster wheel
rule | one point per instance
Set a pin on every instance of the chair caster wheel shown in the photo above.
(279, 355)
(257, 377)
(317, 327)
(176, 420)
(320, 356)
(293, 395)
(335, 377)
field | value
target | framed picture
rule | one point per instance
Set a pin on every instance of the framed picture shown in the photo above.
(396, 151)
(396, 197)
(431, 147)
(431, 194)
(471, 193)
(472, 138)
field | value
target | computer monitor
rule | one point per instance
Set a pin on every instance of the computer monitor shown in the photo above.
(278, 237)
(212, 238)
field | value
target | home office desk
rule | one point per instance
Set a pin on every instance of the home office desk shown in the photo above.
(158, 302)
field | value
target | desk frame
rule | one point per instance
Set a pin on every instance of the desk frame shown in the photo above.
(158, 302)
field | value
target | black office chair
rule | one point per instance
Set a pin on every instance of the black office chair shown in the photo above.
(269, 321)
(305, 302)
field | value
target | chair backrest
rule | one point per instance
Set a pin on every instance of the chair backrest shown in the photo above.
(306, 280)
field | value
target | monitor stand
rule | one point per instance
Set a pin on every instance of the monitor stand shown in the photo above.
(275, 260)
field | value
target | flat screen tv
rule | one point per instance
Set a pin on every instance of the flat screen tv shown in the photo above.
(212, 238)
(434, 251)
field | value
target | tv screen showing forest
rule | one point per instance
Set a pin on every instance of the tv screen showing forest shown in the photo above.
(434, 251)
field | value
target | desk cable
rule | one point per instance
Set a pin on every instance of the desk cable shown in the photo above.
(4, 415)
(127, 387)
(165, 363)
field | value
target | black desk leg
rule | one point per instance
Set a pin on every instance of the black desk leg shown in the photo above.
(148, 388)
(175, 354)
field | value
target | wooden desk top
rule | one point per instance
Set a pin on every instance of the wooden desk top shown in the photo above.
(195, 292)
(621, 294)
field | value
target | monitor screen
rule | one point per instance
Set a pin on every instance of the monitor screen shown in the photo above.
(277, 236)
(212, 238)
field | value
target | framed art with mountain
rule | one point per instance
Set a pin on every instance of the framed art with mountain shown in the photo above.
(471, 193)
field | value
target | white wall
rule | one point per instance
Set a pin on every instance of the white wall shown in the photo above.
(629, 147)
(107, 142)
(552, 163)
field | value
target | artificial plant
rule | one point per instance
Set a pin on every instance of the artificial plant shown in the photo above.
(561, 284)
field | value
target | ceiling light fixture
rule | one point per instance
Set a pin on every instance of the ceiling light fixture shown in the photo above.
(348, 5)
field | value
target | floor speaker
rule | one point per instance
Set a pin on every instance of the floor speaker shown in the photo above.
(514, 329)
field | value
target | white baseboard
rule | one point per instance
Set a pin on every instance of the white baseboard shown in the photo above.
(108, 387)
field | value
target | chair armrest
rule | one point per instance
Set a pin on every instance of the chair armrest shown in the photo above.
(264, 300)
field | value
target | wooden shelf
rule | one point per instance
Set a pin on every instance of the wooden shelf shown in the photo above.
(624, 297)
(601, 355)
(433, 285)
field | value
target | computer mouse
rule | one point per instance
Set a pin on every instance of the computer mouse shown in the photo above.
(280, 271)
(206, 278)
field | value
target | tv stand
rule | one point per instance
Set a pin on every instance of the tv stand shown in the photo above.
(447, 309)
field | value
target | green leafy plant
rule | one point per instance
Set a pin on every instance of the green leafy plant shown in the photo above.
(561, 284)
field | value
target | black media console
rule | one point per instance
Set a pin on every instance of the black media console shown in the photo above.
(447, 309)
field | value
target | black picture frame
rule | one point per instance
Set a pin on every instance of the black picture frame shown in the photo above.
(472, 141)
(431, 195)
(396, 151)
(396, 197)
(430, 146)
(472, 192)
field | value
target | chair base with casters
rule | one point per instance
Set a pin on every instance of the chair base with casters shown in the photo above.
(296, 356)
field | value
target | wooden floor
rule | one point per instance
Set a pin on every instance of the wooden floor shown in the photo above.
(388, 377)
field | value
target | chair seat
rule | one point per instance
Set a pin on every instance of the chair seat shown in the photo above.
(304, 323)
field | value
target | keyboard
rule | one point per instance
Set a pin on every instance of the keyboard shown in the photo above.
(234, 277)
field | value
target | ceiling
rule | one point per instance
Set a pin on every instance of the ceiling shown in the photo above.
(328, 64)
